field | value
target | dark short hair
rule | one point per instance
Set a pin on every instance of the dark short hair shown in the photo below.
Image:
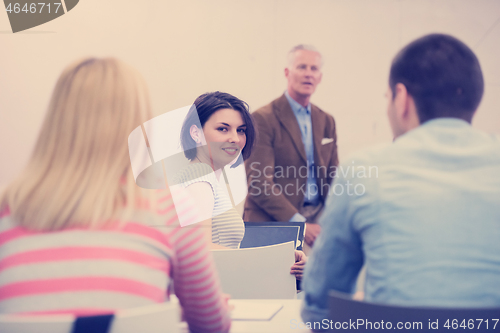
(443, 76)
(203, 108)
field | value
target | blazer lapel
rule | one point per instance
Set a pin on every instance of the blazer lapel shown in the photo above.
(318, 129)
(288, 120)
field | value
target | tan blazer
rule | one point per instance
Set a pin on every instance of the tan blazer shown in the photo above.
(277, 169)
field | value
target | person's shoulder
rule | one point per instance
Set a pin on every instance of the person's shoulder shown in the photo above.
(194, 172)
(201, 168)
(324, 118)
(263, 110)
(6, 220)
(368, 156)
(325, 114)
(487, 138)
(4, 211)
(267, 110)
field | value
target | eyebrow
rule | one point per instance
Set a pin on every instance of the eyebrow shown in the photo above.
(225, 124)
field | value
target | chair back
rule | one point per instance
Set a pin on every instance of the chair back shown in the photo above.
(371, 317)
(257, 273)
(154, 318)
(271, 233)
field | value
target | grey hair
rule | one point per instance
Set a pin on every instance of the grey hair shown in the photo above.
(306, 47)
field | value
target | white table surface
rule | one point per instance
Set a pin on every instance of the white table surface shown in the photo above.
(286, 320)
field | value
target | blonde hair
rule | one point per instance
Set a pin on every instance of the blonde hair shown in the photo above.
(305, 47)
(79, 174)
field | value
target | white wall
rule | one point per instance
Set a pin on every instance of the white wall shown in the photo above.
(185, 48)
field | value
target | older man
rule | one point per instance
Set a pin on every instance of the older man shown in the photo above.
(426, 219)
(295, 157)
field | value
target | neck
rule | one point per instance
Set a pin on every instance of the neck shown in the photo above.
(200, 158)
(301, 99)
(218, 172)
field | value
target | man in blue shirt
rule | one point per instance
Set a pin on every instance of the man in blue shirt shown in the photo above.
(295, 157)
(423, 213)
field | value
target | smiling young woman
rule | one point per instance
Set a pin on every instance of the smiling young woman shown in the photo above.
(223, 138)
(218, 131)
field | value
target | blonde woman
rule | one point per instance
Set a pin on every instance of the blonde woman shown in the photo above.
(76, 232)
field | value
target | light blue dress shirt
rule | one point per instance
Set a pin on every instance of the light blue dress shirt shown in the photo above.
(422, 213)
(303, 115)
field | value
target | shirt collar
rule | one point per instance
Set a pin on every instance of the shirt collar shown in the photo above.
(441, 123)
(296, 107)
(446, 122)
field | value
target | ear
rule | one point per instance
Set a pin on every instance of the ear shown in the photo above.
(196, 134)
(406, 110)
(401, 101)
(287, 71)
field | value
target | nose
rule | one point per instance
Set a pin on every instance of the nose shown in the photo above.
(234, 138)
(309, 72)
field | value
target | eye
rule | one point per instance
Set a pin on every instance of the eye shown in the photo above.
(222, 129)
(242, 130)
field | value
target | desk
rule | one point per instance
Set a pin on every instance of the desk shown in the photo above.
(286, 320)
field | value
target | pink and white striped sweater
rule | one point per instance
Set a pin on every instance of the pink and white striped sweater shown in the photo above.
(82, 271)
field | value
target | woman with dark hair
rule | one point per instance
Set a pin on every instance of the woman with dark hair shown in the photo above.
(218, 131)
(202, 110)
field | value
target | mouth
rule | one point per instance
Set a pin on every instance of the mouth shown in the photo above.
(230, 151)
(307, 83)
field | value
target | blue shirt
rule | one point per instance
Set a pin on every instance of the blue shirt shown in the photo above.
(303, 115)
(422, 213)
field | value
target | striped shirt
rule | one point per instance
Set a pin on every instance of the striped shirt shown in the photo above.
(228, 228)
(83, 272)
